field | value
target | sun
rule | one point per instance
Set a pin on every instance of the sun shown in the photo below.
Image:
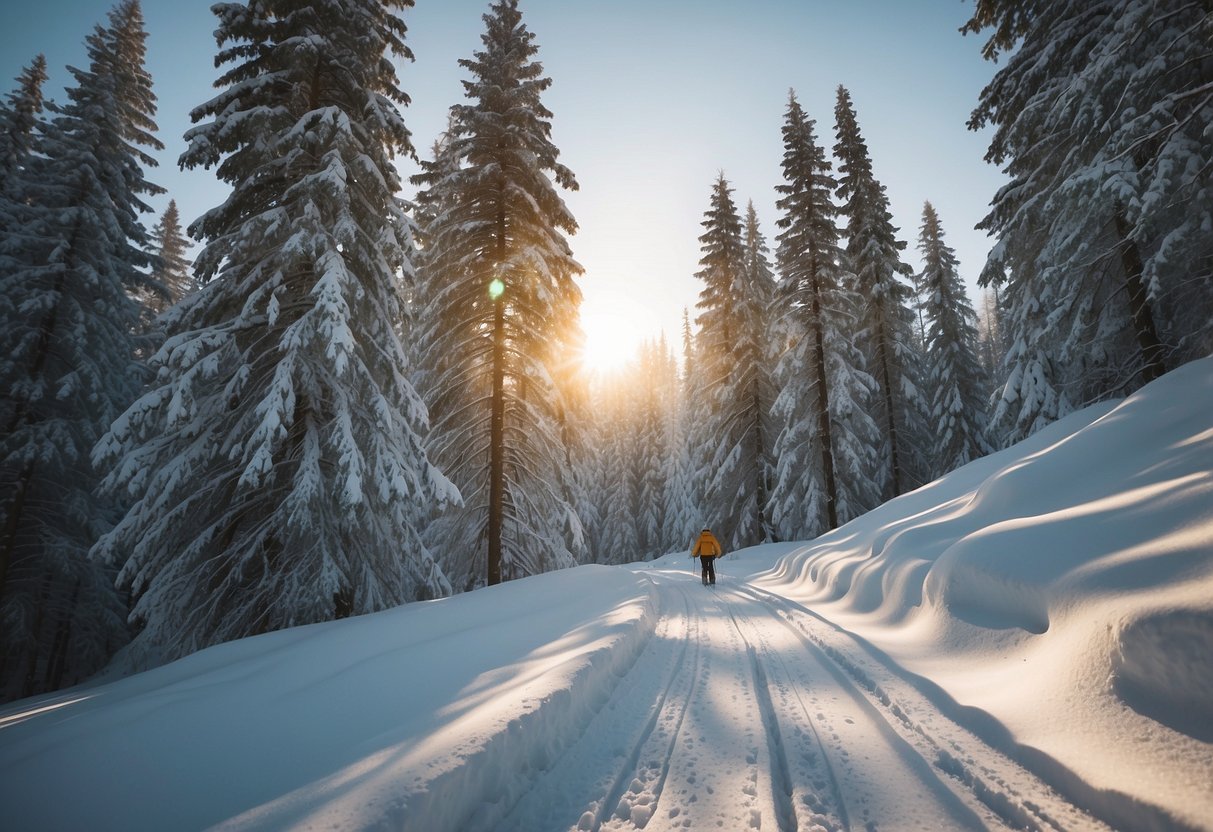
(616, 326)
(610, 340)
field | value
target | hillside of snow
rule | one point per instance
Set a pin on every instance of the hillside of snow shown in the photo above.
(1027, 642)
(1060, 591)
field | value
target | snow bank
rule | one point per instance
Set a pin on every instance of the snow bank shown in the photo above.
(1062, 590)
(436, 710)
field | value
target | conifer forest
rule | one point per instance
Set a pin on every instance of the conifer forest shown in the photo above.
(342, 388)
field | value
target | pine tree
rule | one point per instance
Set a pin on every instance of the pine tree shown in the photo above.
(18, 118)
(805, 498)
(954, 378)
(990, 332)
(620, 535)
(684, 494)
(276, 465)
(503, 310)
(1100, 118)
(171, 268)
(67, 368)
(885, 329)
(735, 387)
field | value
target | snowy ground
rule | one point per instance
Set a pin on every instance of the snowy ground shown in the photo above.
(1027, 643)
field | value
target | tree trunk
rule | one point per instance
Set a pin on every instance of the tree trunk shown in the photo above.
(497, 415)
(890, 416)
(823, 406)
(12, 522)
(35, 643)
(63, 637)
(497, 445)
(761, 487)
(1152, 364)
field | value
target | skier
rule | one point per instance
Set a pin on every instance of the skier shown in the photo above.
(707, 549)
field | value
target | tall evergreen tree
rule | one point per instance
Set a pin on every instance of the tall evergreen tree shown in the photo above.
(171, 268)
(990, 332)
(684, 493)
(656, 383)
(619, 534)
(276, 465)
(505, 300)
(954, 378)
(885, 328)
(67, 367)
(1100, 117)
(18, 118)
(805, 499)
(736, 389)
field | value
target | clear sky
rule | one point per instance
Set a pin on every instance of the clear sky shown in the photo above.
(651, 99)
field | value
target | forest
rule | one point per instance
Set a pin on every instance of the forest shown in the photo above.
(322, 398)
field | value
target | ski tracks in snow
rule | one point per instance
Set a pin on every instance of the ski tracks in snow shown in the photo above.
(746, 711)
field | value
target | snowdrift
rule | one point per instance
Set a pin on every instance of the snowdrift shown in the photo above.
(356, 724)
(1060, 594)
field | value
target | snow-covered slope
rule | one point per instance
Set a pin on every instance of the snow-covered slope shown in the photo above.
(1063, 587)
(1028, 641)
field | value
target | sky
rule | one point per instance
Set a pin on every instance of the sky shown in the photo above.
(651, 100)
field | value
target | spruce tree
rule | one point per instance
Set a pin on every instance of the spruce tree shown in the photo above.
(805, 499)
(503, 308)
(684, 496)
(954, 378)
(18, 118)
(68, 366)
(1100, 117)
(171, 268)
(276, 465)
(732, 364)
(651, 443)
(885, 328)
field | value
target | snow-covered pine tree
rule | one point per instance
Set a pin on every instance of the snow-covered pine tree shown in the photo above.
(18, 117)
(954, 379)
(504, 295)
(804, 500)
(619, 539)
(1100, 117)
(659, 374)
(684, 504)
(67, 366)
(885, 330)
(753, 388)
(734, 389)
(275, 465)
(990, 332)
(171, 268)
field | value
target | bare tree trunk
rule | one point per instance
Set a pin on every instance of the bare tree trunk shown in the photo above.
(1151, 351)
(497, 415)
(57, 666)
(891, 418)
(823, 407)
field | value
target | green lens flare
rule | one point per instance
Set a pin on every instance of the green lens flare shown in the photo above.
(496, 288)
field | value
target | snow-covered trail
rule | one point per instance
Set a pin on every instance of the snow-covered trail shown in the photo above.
(745, 711)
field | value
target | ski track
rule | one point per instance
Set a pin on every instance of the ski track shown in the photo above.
(748, 711)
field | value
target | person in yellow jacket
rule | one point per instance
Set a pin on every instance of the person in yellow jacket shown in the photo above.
(707, 549)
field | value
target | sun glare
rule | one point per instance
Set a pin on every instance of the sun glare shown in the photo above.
(610, 340)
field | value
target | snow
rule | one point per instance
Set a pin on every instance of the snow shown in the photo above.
(1025, 642)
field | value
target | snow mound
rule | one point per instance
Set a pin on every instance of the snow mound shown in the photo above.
(1163, 670)
(440, 710)
(1063, 586)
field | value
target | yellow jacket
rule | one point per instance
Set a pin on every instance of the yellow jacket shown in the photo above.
(707, 546)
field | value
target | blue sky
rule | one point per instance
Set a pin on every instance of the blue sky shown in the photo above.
(651, 98)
